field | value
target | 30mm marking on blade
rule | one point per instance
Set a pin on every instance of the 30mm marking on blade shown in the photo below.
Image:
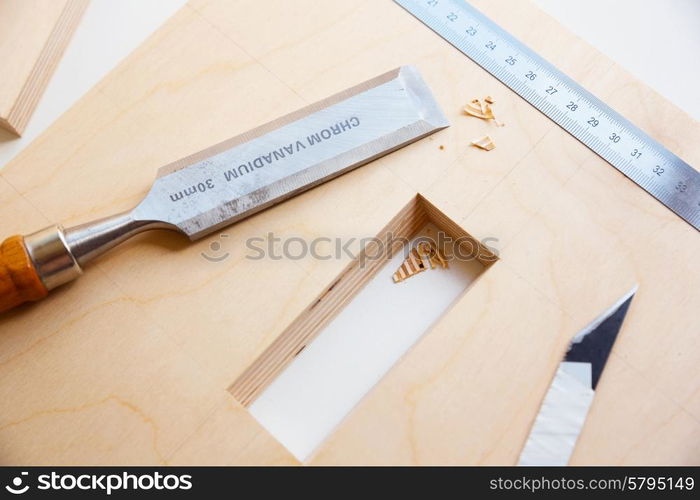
(627, 148)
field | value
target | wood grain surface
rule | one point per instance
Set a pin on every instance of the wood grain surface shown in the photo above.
(131, 363)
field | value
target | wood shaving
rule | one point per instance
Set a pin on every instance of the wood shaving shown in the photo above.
(429, 251)
(479, 109)
(482, 110)
(418, 260)
(485, 143)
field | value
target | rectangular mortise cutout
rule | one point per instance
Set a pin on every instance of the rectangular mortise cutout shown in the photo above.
(364, 322)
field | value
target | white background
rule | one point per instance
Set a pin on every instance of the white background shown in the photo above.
(658, 41)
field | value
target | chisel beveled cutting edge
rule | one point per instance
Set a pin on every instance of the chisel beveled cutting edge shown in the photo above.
(565, 407)
(236, 178)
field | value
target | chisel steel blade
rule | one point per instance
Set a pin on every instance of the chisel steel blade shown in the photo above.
(565, 407)
(248, 173)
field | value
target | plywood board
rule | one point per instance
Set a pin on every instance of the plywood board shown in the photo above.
(33, 36)
(131, 363)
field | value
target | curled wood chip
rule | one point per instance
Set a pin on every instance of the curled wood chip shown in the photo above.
(430, 252)
(482, 110)
(418, 260)
(412, 265)
(479, 109)
(485, 143)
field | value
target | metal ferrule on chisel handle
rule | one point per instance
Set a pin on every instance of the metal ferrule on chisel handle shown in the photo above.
(59, 254)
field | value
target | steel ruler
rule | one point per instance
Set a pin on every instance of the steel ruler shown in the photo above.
(627, 148)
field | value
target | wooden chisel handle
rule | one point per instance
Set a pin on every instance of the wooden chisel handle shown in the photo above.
(31, 266)
(19, 279)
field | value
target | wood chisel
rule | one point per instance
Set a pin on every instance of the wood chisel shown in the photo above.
(236, 178)
(565, 406)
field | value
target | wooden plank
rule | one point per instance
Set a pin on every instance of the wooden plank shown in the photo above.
(132, 362)
(33, 37)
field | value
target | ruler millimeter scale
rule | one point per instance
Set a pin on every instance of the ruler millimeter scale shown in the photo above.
(604, 131)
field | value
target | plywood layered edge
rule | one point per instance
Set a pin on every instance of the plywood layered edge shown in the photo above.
(416, 214)
(25, 102)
